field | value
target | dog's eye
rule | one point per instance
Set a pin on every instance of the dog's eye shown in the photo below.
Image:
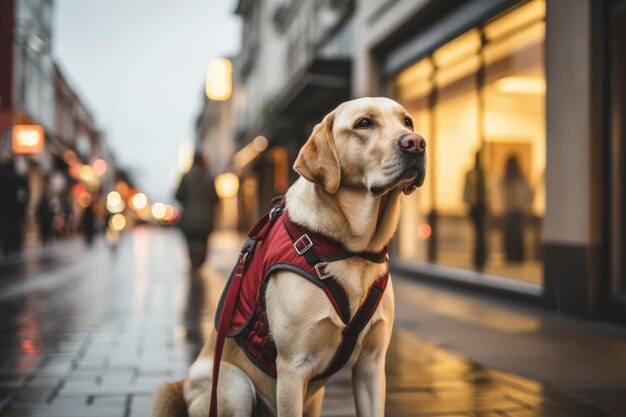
(408, 122)
(364, 123)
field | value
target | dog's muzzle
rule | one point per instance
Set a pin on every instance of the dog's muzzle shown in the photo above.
(412, 147)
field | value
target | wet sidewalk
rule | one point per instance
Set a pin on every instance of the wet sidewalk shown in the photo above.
(95, 333)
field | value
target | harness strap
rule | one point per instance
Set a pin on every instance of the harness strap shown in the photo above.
(327, 248)
(352, 331)
(335, 293)
(309, 249)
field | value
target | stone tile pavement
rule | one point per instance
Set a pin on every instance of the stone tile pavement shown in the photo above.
(96, 336)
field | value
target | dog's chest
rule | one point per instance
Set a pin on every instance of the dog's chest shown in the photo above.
(307, 329)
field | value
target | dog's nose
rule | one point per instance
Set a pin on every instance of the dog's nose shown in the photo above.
(412, 143)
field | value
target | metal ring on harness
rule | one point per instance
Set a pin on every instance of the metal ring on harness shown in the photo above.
(277, 209)
(320, 270)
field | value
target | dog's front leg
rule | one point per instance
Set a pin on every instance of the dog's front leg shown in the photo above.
(313, 408)
(290, 388)
(368, 374)
(368, 384)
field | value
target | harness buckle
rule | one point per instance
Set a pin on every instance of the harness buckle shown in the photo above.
(303, 244)
(275, 211)
(320, 270)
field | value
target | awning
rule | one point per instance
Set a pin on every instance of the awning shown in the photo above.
(309, 96)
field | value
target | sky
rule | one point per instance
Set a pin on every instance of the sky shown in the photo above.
(139, 66)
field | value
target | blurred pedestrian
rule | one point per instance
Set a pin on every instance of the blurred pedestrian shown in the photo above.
(88, 224)
(197, 196)
(45, 214)
(475, 196)
(517, 197)
(5, 206)
(15, 193)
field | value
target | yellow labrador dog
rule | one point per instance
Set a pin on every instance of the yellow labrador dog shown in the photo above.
(354, 168)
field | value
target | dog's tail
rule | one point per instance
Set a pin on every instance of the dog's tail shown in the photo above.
(170, 402)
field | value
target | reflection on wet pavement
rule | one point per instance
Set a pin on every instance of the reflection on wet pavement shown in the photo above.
(95, 332)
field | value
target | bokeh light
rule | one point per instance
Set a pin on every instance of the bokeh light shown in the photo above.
(28, 139)
(78, 189)
(159, 210)
(86, 173)
(117, 222)
(227, 185)
(424, 231)
(260, 143)
(114, 202)
(99, 167)
(139, 201)
(69, 157)
(219, 79)
(74, 169)
(122, 188)
(84, 199)
(169, 213)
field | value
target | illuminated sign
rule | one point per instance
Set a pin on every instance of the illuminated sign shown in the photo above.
(28, 139)
(219, 81)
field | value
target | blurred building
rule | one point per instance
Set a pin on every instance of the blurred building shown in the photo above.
(214, 133)
(34, 93)
(535, 87)
(293, 68)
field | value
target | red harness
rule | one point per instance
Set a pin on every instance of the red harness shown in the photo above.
(276, 243)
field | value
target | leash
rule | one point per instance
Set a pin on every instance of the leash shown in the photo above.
(227, 313)
(227, 307)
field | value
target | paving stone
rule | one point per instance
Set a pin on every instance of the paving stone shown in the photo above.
(42, 381)
(13, 382)
(108, 400)
(63, 411)
(33, 396)
(151, 383)
(141, 406)
(103, 348)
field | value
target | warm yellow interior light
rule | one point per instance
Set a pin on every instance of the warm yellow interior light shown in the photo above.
(260, 143)
(521, 85)
(530, 12)
(219, 80)
(464, 46)
(249, 152)
(420, 71)
(227, 185)
(28, 139)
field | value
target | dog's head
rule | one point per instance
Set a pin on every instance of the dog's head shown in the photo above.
(367, 143)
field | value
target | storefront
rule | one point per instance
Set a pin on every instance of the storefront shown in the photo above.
(479, 99)
(525, 184)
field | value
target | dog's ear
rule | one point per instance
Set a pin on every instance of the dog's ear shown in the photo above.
(317, 160)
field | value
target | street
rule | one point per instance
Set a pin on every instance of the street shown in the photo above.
(93, 332)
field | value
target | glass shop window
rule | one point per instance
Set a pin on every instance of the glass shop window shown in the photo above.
(479, 101)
